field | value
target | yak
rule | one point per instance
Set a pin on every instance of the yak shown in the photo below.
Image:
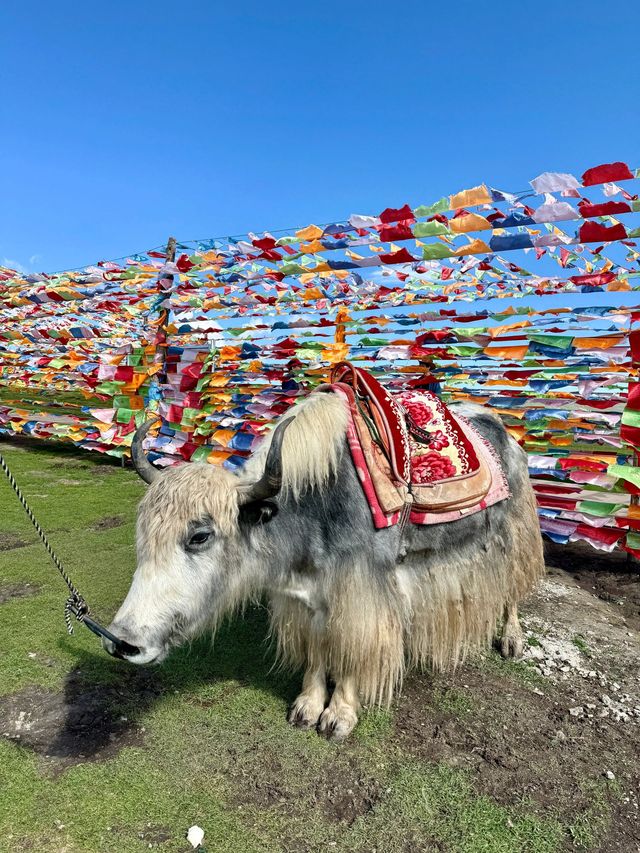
(350, 605)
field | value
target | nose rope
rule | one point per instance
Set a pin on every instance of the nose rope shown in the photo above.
(75, 605)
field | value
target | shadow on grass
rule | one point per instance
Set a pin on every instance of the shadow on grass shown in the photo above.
(105, 700)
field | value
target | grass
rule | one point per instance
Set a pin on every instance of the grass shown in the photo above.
(522, 671)
(217, 750)
(580, 643)
(451, 701)
(589, 828)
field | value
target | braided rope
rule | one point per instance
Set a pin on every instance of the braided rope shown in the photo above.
(75, 605)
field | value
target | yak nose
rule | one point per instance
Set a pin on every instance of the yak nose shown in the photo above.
(108, 646)
(119, 646)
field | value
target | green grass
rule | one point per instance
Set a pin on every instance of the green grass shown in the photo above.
(451, 701)
(580, 643)
(441, 802)
(589, 828)
(217, 750)
(522, 671)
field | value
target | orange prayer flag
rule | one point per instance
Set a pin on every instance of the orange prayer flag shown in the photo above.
(475, 247)
(311, 232)
(472, 196)
(510, 353)
(333, 353)
(469, 222)
(619, 284)
(312, 293)
(228, 353)
(598, 343)
(313, 246)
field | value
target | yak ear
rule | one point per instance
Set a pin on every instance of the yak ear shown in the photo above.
(257, 512)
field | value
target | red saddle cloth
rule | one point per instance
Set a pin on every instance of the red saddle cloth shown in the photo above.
(413, 455)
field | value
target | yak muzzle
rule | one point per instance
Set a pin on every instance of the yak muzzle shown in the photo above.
(117, 646)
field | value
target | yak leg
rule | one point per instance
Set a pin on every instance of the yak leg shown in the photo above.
(340, 717)
(305, 711)
(512, 641)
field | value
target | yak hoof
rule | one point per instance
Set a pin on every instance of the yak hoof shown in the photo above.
(512, 644)
(337, 723)
(305, 711)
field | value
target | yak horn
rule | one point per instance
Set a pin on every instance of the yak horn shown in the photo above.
(139, 458)
(270, 483)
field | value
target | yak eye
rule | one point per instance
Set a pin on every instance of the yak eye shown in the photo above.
(198, 539)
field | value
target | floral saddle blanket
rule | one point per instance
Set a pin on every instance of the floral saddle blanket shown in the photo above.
(415, 459)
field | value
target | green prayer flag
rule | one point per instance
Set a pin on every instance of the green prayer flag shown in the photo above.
(430, 229)
(598, 508)
(123, 416)
(631, 418)
(430, 209)
(434, 251)
(631, 473)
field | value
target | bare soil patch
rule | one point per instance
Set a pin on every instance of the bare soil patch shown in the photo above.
(84, 723)
(9, 591)
(614, 577)
(96, 466)
(108, 522)
(10, 541)
(345, 794)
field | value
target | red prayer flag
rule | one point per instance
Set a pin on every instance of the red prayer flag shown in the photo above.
(594, 232)
(600, 534)
(633, 400)
(597, 279)
(400, 257)
(605, 173)
(265, 243)
(395, 232)
(607, 208)
(183, 263)
(123, 374)
(400, 214)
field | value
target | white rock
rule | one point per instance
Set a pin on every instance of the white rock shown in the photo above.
(610, 775)
(195, 836)
(578, 711)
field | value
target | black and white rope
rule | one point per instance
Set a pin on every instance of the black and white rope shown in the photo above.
(75, 605)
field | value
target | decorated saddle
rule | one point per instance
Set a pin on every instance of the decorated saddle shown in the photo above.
(415, 459)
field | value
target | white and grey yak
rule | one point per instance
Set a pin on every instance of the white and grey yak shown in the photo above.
(350, 605)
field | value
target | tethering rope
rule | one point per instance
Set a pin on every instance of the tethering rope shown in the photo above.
(75, 605)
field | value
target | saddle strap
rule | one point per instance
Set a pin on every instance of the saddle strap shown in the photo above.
(387, 415)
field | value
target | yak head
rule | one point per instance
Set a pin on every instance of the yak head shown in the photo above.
(198, 547)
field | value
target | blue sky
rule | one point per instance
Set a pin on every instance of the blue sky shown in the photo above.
(126, 122)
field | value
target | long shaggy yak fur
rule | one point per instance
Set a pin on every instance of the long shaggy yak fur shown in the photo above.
(365, 614)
